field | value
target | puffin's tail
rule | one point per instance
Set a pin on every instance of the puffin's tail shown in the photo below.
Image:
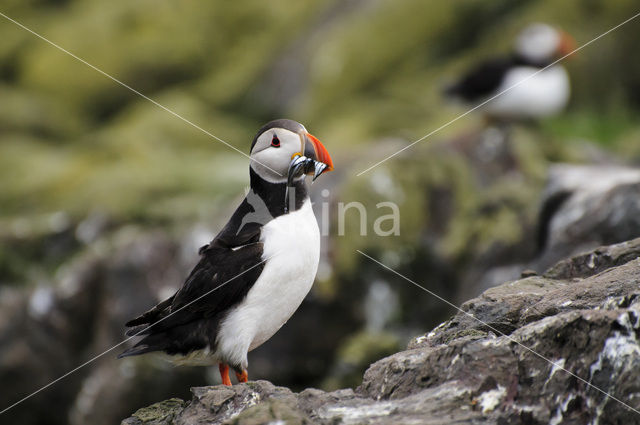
(153, 342)
(136, 351)
(137, 330)
(144, 325)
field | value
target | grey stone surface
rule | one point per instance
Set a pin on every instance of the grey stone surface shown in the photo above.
(587, 206)
(582, 207)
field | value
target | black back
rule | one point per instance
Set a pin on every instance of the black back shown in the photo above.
(484, 79)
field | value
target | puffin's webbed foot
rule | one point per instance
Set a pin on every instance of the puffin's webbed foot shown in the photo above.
(243, 377)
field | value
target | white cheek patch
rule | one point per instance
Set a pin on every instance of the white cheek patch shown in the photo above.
(272, 163)
(277, 168)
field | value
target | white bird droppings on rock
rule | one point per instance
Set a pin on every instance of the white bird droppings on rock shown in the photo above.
(489, 400)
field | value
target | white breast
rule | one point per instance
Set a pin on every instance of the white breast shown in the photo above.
(292, 249)
(540, 95)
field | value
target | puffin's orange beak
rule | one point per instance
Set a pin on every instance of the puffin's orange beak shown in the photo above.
(567, 44)
(315, 150)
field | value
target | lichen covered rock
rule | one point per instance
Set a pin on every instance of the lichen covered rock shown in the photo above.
(160, 413)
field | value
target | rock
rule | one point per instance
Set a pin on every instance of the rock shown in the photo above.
(595, 261)
(560, 348)
(582, 207)
(49, 330)
(157, 414)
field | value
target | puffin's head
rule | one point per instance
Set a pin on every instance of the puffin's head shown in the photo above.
(278, 143)
(541, 43)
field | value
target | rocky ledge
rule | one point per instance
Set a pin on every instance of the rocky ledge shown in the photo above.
(559, 348)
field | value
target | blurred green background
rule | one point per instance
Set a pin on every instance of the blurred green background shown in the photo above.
(365, 77)
(72, 140)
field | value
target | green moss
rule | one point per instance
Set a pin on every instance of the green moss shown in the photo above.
(86, 137)
(474, 333)
(160, 413)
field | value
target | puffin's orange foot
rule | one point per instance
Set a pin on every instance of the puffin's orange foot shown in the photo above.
(243, 377)
(224, 374)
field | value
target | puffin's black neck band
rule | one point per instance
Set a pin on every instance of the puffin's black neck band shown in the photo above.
(273, 194)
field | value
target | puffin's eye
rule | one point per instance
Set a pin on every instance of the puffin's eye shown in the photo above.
(275, 142)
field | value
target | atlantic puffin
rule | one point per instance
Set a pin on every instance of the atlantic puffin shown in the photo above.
(263, 262)
(526, 96)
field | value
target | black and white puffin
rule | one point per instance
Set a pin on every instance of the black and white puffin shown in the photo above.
(263, 262)
(527, 96)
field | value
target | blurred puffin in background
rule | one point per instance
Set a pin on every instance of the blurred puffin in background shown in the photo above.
(543, 94)
(255, 273)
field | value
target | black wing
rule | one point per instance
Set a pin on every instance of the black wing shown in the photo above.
(228, 268)
(481, 81)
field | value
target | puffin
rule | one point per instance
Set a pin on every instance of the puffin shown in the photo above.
(534, 85)
(255, 273)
